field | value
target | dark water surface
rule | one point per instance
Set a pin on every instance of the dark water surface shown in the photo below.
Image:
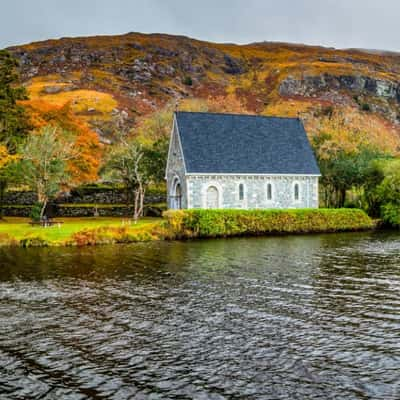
(301, 317)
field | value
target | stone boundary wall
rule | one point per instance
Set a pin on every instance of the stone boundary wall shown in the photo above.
(106, 196)
(77, 210)
(20, 198)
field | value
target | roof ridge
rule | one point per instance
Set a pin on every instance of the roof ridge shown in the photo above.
(236, 114)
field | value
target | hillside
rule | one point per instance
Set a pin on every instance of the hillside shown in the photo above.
(347, 92)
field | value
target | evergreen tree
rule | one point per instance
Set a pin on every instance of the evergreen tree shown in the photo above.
(13, 119)
(14, 123)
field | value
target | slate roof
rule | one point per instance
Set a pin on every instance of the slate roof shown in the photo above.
(246, 144)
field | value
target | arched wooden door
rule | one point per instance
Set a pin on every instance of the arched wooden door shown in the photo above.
(212, 197)
(178, 197)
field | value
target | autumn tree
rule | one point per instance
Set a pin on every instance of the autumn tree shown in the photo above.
(345, 144)
(374, 175)
(156, 156)
(388, 191)
(382, 190)
(155, 127)
(126, 164)
(84, 167)
(43, 165)
(342, 169)
(153, 133)
(347, 130)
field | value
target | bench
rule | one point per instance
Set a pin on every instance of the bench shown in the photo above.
(46, 223)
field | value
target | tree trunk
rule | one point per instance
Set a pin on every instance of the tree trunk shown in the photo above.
(342, 197)
(44, 204)
(139, 203)
(142, 201)
(135, 207)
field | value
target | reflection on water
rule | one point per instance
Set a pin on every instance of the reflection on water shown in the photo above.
(302, 317)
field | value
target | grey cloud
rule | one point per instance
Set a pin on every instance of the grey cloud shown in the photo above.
(338, 23)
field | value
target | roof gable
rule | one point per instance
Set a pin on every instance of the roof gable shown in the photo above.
(231, 143)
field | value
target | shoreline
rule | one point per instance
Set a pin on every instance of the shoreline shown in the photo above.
(184, 225)
(39, 243)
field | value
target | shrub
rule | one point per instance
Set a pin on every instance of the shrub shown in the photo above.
(382, 191)
(391, 214)
(111, 235)
(35, 212)
(216, 223)
(365, 107)
(188, 81)
(327, 111)
(33, 241)
(7, 240)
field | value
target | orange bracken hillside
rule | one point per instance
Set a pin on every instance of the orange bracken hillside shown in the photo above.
(352, 94)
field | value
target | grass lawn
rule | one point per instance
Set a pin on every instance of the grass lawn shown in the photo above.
(19, 228)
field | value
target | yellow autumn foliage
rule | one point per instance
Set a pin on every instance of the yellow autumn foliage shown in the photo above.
(5, 157)
(349, 129)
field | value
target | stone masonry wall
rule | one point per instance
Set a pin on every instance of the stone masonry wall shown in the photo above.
(20, 198)
(175, 170)
(255, 191)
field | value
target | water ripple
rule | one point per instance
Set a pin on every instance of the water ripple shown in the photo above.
(306, 317)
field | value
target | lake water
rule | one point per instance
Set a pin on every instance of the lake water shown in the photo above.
(296, 317)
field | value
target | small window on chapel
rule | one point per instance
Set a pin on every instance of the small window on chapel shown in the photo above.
(269, 191)
(296, 191)
(241, 191)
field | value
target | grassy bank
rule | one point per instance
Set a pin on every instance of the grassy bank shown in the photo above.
(182, 224)
(77, 231)
(224, 223)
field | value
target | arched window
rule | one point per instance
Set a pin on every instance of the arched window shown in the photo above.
(269, 191)
(296, 192)
(241, 191)
(212, 197)
(178, 192)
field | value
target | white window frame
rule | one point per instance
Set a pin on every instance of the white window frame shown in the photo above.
(272, 192)
(242, 204)
(294, 193)
(205, 190)
(244, 192)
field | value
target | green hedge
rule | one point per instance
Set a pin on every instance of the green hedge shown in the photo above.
(217, 223)
(93, 188)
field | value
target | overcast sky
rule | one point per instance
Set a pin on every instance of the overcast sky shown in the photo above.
(338, 23)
